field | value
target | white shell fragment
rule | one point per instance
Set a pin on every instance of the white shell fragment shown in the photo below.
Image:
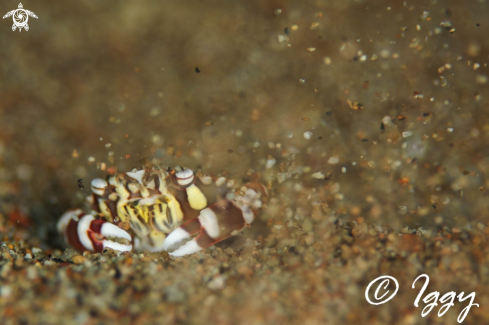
(270, 162)
(318, 175)
(406, 134)
(221, 181)
(307, 135)
(282, 38)
(333, 160)
(206, 179)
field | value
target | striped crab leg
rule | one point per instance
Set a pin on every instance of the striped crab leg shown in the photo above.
(83, 232)
(217, 222)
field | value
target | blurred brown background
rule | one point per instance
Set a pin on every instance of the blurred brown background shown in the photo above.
(89, 75)
(394, 94)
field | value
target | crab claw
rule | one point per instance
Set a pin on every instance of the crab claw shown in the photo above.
(217, 222)
(183, 234)
(83, 232)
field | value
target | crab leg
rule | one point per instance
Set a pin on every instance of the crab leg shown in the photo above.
(83, 232)
(217, 222)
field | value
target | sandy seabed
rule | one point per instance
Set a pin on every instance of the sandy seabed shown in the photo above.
(366, 120)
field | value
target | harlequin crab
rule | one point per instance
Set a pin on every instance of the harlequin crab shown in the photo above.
(161, 209)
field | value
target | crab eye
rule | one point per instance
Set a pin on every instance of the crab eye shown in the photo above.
(185, 177)
(98, 186)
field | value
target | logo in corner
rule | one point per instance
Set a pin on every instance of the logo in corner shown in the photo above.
(20, 16)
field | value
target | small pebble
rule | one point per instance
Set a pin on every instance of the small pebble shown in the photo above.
(333, 160)
(270, 162)
(217, 283)
(318, 175)
(78, 259)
